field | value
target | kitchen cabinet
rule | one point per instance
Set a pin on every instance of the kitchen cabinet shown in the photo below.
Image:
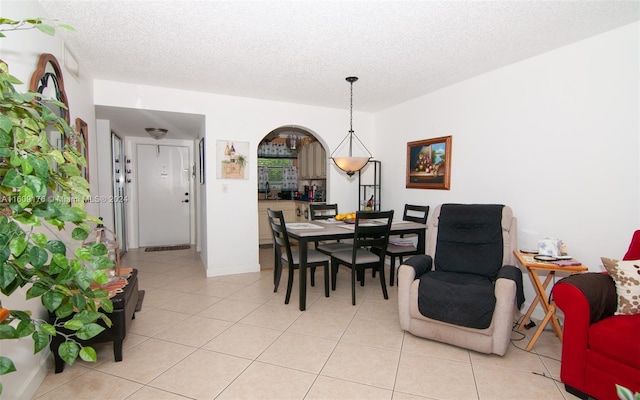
(301, 211)
(304, 164)
(288, 207)
(312, 161)
(319, 161)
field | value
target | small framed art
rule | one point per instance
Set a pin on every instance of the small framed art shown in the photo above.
(429, 163)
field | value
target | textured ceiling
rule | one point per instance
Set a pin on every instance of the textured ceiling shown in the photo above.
(301, 51)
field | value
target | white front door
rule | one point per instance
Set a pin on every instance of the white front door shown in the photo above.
(163, 195)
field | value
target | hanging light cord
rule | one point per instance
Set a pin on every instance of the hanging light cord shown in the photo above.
(351, 132)
(351, 111)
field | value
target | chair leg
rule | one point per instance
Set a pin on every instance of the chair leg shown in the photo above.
(334, 274)
(353, 284)
(277, 272)
(382, 282)
(361, 276)
(326, 279)
(289, 286)
(313, 276)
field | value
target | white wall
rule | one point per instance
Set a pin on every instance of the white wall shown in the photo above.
(232, 217)
(556, 137)
(21, 50)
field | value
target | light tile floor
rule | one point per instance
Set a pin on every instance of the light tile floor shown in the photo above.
(232, 337)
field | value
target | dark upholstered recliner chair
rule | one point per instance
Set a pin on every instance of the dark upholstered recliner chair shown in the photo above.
(463, 291)
(599, 349)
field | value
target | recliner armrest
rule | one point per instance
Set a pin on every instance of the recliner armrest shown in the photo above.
(421, 263)
(515, 274)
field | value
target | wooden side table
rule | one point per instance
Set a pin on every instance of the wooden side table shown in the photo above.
(535, 267)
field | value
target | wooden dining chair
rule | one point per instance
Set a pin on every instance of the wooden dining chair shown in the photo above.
(282, 248)
(371, 230)
(402, 246)
(327, 211)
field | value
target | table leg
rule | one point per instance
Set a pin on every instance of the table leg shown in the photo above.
(303, 273)
(422, 241)
(545, 321)
(540, 294)
(549, 309)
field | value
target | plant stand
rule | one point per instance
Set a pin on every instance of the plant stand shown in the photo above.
(125, 305)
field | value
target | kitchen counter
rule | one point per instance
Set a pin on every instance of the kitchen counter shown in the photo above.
(288, 207)
(263, 199)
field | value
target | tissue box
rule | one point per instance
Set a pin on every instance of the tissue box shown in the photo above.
(550, 247)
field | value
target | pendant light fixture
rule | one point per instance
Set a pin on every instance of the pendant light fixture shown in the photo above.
(349, 163)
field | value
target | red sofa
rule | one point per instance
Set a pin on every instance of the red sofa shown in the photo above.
(599, 349)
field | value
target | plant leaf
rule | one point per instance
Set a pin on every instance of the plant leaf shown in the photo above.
(8, 332)
(88, 354)
(25, 197)
(40, 340)
(79, 234)
(5, 127)
(89, 330)
(52, 300)
(39, 238)
(37, 186)
(84, 278)
(73, 324)
(64, 310)
(17, 245)
(72, 214)
(6, 365)
(56, 247)
(12, 179)
(46, 210)
(83, 253)
(48, 329)
(25, 328)
(38, 257)
(68, 351)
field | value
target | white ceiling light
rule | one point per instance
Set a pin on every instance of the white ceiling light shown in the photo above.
(349, 163)
(156, 133)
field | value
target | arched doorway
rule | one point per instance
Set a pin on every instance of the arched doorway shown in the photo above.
(292, 171)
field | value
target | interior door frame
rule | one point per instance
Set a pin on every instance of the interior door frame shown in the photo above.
(119, 196)
(132, 188)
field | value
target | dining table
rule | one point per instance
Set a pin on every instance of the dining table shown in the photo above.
(319, 230)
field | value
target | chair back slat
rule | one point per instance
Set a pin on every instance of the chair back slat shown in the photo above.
(415, 213)
(280, 236)
(323, 211)
(372, 230)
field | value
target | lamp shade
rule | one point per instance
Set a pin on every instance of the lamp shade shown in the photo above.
(351, 165)
(156, 133)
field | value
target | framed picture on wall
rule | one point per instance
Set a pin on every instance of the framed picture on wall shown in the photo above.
(233, 156)
(429, 163)
(82, 145)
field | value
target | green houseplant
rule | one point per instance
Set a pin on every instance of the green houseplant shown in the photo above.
(626, 393)
(41, 193)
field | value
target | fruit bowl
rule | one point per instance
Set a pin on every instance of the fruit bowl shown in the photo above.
(349, 220)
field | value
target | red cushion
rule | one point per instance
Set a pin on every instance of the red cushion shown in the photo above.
(616, 338)
(634, 248)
